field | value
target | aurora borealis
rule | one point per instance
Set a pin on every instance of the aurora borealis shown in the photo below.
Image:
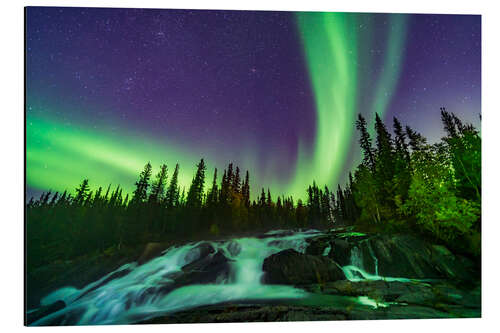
(108, 90)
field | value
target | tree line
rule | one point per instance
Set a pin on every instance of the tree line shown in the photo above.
(403, 183)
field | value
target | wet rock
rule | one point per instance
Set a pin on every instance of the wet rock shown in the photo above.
(381, 290)
(291, 267)
(317, 245)
(250, 313)
(44, 311)
(399, 312)
(201, 252)
(234, 248)
(213, 268)
(340, 252)
(404, 256)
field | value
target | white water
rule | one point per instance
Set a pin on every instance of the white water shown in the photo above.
(137, 294)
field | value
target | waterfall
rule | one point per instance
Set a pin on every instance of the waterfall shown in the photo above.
(355, 270)
(375, 260)
(136, 293)
(356, 257)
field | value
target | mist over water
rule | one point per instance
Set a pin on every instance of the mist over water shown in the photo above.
(135, 292)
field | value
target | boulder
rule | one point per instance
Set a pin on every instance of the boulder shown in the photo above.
(292, 267)
(212, 268)
(200, 252)
(340, 252)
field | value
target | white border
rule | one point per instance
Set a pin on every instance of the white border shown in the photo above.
(11, 194)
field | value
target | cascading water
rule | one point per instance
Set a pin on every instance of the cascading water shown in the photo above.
(355, 271)
(134, 292)
(372, 254)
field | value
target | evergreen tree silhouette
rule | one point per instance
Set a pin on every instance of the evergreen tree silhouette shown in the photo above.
(158, 187)
(141, 186)
(172, 195)
(365, 142)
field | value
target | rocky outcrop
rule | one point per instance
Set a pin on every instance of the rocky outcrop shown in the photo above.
(292, 267)
(394, 256)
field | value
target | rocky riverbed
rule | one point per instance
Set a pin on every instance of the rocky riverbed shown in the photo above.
(278, 276)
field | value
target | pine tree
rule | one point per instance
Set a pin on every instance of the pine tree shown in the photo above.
(141, 186)
(450, 123)
(195, 193)
(158, 187)
(172, 195)
(365, 143)
(417, 141)
(269, 200)
(212, 195)
(245, 190)
(262, 200)
(400, 141)
(237, 181)
(81, 193)
(385, 166)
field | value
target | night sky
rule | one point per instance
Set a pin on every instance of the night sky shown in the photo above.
(277, 93)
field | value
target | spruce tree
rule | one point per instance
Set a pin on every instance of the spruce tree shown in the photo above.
(141, 186)
(245, 190)
(212, 195)
(365, 143)
(81, 193)
(172, 195)
(158, 187)
(195, 193)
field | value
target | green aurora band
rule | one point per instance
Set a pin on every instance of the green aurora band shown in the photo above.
(60, 155)
(334, 53)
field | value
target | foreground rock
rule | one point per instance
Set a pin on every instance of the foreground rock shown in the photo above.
(292, 267)
(44, 311)
(274, 313)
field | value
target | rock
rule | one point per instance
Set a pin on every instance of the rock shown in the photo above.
(200, 252)
(379, 289)
(400, 256)
(291, 267)
(234, 248)
(400, 312)
(404, 256)
(419, 298)
(317, 245)
(151, 250)
(340, 252)
(212, 268)
(44, 311)
(206, 269)
(250, 313)
(453, 267)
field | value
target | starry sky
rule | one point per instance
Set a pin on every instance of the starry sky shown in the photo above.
(277, 93)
